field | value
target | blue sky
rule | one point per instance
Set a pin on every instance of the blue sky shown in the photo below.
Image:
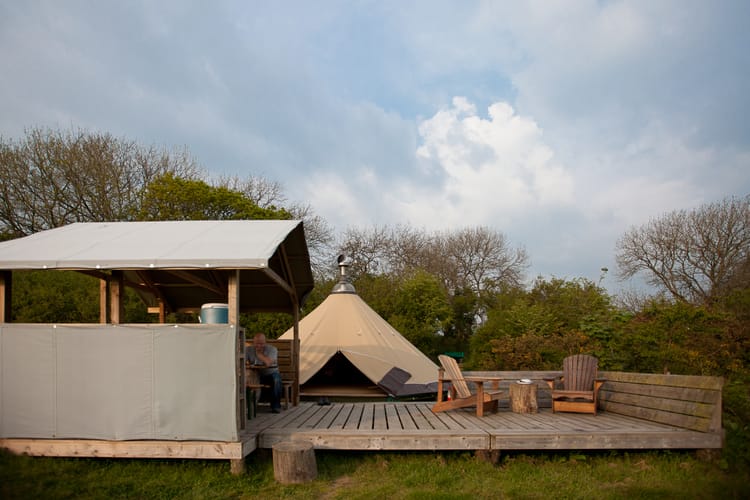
(559, 123)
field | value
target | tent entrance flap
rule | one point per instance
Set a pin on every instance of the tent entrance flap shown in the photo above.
(339, 371)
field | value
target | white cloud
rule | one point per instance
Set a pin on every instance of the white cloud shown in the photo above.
(490, 167)
(471, 170)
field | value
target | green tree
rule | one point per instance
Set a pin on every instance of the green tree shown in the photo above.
(173, 198)
(538, 328)
(421, 312)
(55, 297)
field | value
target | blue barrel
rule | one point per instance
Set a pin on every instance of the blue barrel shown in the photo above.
(214, 313)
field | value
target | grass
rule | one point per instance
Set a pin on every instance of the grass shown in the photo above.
(349, 475)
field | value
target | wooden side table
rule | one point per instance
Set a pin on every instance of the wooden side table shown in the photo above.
(523, 397)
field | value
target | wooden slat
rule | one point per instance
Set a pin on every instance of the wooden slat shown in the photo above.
(131, 449)
(693, 381)
(654, 415)
(343, 417)
(681, 406)
(379, 421)
(709, 396)
(405, 417)
(355, 417)
(687, 401)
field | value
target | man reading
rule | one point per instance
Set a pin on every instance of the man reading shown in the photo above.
(264, 358)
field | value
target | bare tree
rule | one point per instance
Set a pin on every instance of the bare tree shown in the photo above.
(482, 259)
(693, 255)
(319, 237)
(53, 178)
(477, 258)
(270, 194)
(263, 192)
(367, 249)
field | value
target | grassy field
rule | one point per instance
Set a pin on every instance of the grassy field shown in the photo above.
(342, 475)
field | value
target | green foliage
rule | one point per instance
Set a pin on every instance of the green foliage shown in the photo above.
(378, 292)
(682, 338)
(353, 475)
(421, 311)
(273, 325)
(537, 329)
(174, 198)
(736, 420)
(459, 330)
(55, 297)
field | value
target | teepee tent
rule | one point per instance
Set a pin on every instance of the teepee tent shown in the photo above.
(343, 341)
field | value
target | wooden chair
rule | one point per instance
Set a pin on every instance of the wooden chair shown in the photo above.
(461, 396)
(580, 385)
(287, 362)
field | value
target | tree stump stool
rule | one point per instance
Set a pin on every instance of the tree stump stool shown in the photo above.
(523, 397)
(294, 462)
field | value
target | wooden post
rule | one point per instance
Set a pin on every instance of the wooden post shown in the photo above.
(294, 462)
(523, 397)
(237, 466)
(491, 456)
(116, 297)
(6, 294)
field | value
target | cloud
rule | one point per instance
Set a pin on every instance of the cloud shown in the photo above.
(490, 167)
(470, 170)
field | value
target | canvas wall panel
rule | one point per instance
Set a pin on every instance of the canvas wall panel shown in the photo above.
(194, 383)
(104, 382)
(118, 382)
(27, 381)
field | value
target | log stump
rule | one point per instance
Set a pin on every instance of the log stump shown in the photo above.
(523, 397)
(294, 462)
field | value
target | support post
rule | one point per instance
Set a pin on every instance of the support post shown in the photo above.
(6, 295)
(294, 462)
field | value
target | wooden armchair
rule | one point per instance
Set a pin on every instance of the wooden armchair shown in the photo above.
(580, 385)
(461, 396)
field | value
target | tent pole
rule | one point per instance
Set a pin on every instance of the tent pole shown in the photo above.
(6, 294)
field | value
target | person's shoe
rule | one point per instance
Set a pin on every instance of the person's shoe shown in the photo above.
(275, 410)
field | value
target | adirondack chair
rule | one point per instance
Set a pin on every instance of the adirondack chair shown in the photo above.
(461, 396)
(580, 385)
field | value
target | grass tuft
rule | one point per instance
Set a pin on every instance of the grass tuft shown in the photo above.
(361, 475)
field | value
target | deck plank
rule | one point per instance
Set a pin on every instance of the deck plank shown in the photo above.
(379, 420)
(413, 426)
(402, 426)
(405, 418)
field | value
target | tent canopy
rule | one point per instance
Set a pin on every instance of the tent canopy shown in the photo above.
(344, 323)
(183, 263)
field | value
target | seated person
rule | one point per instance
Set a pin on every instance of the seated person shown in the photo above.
(264, 358)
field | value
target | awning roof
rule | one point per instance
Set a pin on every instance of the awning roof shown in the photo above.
(186, 263)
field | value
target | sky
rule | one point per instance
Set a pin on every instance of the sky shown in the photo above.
(560, 124)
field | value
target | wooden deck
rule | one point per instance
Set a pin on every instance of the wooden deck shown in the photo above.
(413, 426)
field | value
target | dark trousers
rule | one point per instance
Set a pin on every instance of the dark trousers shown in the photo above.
(274, 381)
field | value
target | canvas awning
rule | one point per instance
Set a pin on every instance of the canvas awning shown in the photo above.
(182, 263)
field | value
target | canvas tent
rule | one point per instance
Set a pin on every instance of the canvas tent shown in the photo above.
(180, 264)
(344, 330)
(112, 381)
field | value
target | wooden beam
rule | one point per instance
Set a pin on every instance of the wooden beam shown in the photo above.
(131, 449)
(233, 296)
(279, 280)
(295, 312)
(103, 295)
(192, 278)
(149, 285)
(6, 296)
(116, 296)
(233, 301)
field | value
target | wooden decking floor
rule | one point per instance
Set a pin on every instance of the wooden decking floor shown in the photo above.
(413, 426)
